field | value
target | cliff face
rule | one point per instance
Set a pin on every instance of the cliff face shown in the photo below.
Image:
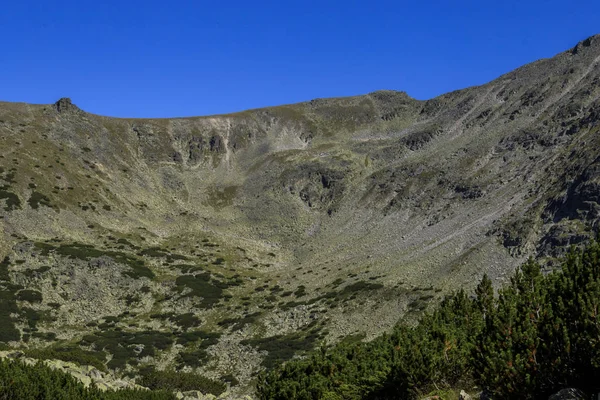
(296, 222)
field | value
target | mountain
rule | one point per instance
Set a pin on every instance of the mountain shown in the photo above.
(227, 243)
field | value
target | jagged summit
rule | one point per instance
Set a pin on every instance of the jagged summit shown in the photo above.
(592, 40)
(64, 104)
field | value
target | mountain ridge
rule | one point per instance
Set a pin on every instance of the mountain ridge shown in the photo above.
(297, 223)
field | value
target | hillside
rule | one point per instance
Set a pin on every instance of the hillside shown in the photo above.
(223, 244)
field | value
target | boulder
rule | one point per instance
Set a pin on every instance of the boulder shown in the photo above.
(464, 396)
(193, 395)
(568, 394)
(65, 105)
(102, 386)
(95, 374)
(55, 364)
(29, 361)
(120, 384)
(86, 380)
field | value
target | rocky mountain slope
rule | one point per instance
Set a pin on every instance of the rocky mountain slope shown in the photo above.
(223, 244)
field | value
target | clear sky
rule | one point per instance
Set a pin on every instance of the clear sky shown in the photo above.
(179, 58)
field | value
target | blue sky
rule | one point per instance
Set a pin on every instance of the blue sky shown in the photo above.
(148, 58)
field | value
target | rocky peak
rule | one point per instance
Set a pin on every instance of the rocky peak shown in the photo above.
(65, 105)
(586, 43)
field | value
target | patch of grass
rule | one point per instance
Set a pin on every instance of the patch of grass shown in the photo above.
(185, 321)
(70, 354)
(193, 359)
(12, 200)
(207, 338)
(202, 286)
(239, 323)
(31, 316)
(337, 282)
(187, 268)
(32, 296)
(47, 336)
(281, 348)
(301, 291)
(34, 273)
(86, 252)
(36, 199)
(139, 271)
(196, 357)
(417, 305)
(219, 261)
(8, 306)
(4, 269)
(179, 381)
(172, 257)
(128, 347)
(360, 286)
(333, 297)
(154, 252)
(232, 380)
(126, 242)
(219, 198)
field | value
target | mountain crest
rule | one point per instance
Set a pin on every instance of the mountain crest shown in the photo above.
(64, 104)
(585, 43)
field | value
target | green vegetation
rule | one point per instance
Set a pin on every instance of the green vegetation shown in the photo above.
(333, 298)
(283, 347)
(86, 252)
(26, 382)
(239, 323)
(208, 338)
(179, 381)
(32, 296)
(8, 305)
(127, 347)
(38, 199)
(200, 285)
(185, 321)
(70, 354)
(197, 357)
(219, 198)
(12, 200)
(538, 335)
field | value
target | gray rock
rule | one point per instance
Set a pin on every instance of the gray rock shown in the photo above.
(102, 386)
(568, 394)
(138, 348)
(95, 374)
(29, 361)
(120, 384)
(86, 380)
(65, 105)
(464, 396)
(193, 395)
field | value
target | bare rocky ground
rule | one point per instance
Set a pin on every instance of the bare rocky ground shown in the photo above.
(223, 244)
